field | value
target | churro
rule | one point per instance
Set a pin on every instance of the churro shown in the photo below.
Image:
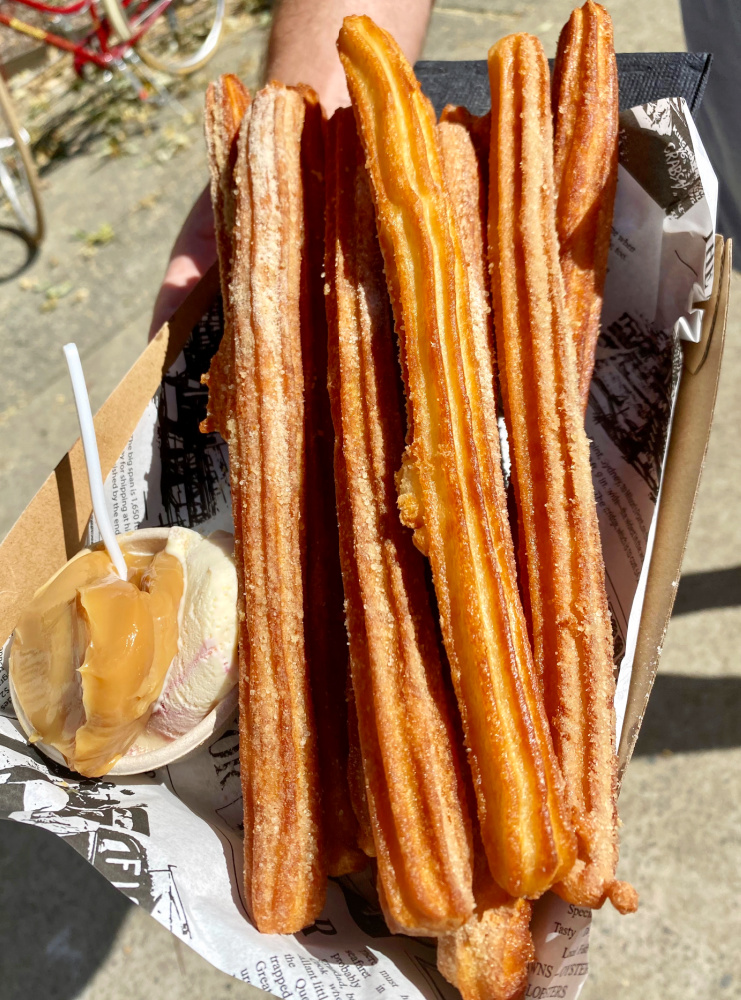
(262, 422)
(325, 635)
(465, 169)
(413, 772)
(478, 128)
(451, 489)
(226, 102)
(551, 472)
(585, 118)
(486, 958)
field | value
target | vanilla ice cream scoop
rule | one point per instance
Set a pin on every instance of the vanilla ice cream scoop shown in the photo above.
(204, 669)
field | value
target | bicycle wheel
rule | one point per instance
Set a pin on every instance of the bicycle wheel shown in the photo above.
(18, 181)
(179, 41)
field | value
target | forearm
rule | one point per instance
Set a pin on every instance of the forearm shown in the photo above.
(302, 47)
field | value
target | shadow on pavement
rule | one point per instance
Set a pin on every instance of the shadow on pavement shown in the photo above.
(17, 253)
(691, 713)
(103, 118)
(717, 588)
(58, 916)
(88, 113)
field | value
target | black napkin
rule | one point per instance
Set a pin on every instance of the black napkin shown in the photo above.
(642, 77)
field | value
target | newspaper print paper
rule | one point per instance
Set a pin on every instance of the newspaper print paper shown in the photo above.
(171, 840)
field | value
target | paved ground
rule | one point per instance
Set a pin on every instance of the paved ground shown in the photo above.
(66, 933)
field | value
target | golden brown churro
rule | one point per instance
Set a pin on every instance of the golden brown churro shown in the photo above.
(285, 879)
(551, 471)
(413, 774)
(325, 635)
(465, 182)
(451, 489)
(226, 102)
(487, 957)
(585, 117)
(478, 128)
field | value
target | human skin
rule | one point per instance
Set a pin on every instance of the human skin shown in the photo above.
(301, 49)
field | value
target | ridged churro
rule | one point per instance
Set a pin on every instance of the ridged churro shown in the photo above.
(551, 472)
(478, 128)
(486, 958)
(263, 423)
(451, 488)
(461, 141)
(226, 102)
(413, 773)
(585, 118)
(325, 635)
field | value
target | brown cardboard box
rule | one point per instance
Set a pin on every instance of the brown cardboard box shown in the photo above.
(690, 433)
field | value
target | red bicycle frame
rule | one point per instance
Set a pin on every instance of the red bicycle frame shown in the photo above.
(72, 8)
(105, 55)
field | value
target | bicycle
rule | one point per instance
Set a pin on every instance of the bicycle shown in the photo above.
(172, 36)
(18, 178)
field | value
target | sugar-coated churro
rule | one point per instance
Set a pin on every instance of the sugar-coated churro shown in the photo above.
(585, 118)
(478, 128)
(226, 102)
(413, 774)
(262, 422)
(486, 958)
(465, 169)
(551, 472)
(451, 488)
(325, 635)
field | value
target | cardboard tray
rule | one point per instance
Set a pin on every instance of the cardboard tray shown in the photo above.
(53, 526)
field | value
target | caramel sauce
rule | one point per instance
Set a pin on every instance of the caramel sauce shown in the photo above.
(91, 652)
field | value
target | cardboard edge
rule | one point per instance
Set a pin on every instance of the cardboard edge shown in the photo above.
(695, 355)
(693, 417)
(57, 516)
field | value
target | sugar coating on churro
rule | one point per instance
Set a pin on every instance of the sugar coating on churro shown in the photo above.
(413, 773)
(551, 471)
(225, 105)
(325, 634)
(585, 118)
(263, 425)
(451, 490)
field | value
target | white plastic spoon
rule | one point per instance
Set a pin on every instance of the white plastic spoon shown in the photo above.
(92, 459)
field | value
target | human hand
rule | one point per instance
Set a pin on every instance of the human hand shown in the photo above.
(192, 255)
